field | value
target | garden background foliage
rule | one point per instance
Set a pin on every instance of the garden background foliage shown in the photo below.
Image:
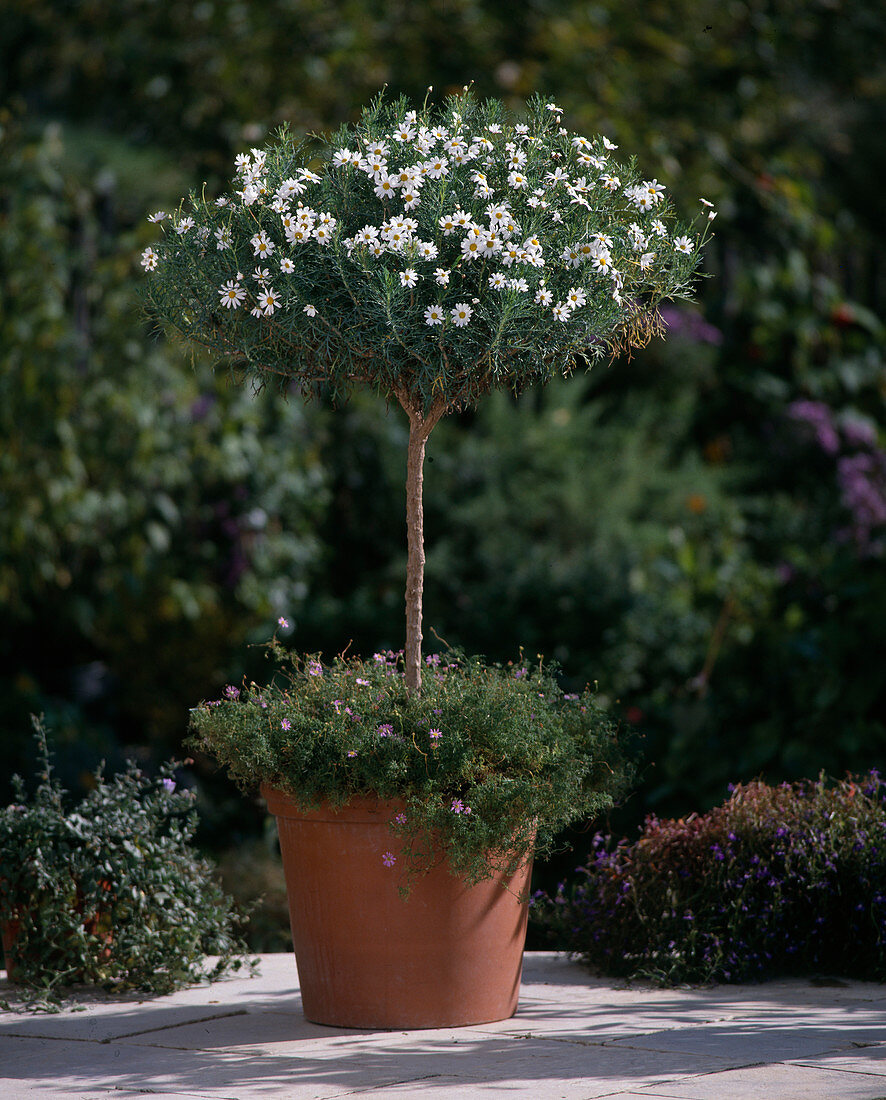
(700, 530)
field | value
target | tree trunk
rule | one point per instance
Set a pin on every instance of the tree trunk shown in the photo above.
(419, 429)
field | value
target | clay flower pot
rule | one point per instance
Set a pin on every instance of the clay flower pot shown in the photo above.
(448, 956)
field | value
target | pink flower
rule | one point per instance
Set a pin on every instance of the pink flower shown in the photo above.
(388, 859)
(285, 724)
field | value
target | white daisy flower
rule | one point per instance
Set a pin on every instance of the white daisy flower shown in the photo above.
(517, 181)
(222, 200)
(610, 182)
(268, 300)
(308, 176)
(607, 144)
(472, 247)
(427, 250)
(602, 261)
(437, 167)
(261, 274)
(497, 281)
(658, 228)
(461, 314)
(184, 225)
(646, 260)
(576, 297)
(441, 276)
(405, 133)
(262, 245)
(149, 259)
(287, 266)
(323, 233)
(518, 284)
(448, 224)
(161, 215)
(385, 186)
(683, 244)
(571, 255)
(231, 294)
(433, 315)
(561, 311)
(342, 157)
(543, 296)
(367, 234)
(409, 277)
(310, 310)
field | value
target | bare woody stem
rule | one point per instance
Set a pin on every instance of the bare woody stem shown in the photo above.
(420, 425)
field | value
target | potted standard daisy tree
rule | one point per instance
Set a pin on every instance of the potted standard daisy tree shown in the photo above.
(430, 255)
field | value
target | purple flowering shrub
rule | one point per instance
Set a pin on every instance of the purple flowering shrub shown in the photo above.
(783, 880)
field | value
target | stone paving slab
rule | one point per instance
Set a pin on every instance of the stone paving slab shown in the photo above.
(574, 1037)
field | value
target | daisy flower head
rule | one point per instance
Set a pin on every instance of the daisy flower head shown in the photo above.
(517, 181)
(386, 186)
(223, 238)
(184, 225)
(388, 859)
(341, 157)
(433, 315)
(561, 311)
(262, 245)
(323, 233)
(543, 296)
(646, 260)
(231, 294)
(460, 315)
(287, 266)
(409, 277)
(261, 274)
(427, 250)
(310, 310)
(576, 298)
(683, 244)
(472, 247)
(437, 167)
(161, 215)
(497, 281)
(658, 228)
(268, 300)
(607, 144)
(441, 276)
(149, 259)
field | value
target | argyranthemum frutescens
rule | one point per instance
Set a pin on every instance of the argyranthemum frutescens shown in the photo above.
(429, 253)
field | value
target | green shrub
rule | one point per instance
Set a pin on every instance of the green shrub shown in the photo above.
(110, 892)
(490, 759)
(781, 880)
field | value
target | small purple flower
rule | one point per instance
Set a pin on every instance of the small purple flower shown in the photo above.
(435, 736)
(232, 692)
(400, 818)
(432, 659)
(362, 683)
(285, 724)
(457, 806)
(169, 785)
(385, 730)
(519, 673)
(337, 704)
(283, 622)
(388, 859)
(352, 752)
(315, 668)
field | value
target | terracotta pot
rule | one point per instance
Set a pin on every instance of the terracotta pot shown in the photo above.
(448, 956)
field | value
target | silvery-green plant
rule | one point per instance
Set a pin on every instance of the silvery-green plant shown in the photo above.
(429, 254)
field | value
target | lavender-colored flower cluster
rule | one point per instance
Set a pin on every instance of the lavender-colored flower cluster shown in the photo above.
(784, 880)
(860, 471)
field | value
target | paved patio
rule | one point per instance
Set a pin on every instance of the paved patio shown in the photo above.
(574, 1037)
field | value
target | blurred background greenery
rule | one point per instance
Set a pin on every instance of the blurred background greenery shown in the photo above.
(700, 530)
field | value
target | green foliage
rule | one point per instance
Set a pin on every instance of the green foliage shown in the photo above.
(153, 515)
(110, 892)
(777, 881)
(494, 760)
(527, 246)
